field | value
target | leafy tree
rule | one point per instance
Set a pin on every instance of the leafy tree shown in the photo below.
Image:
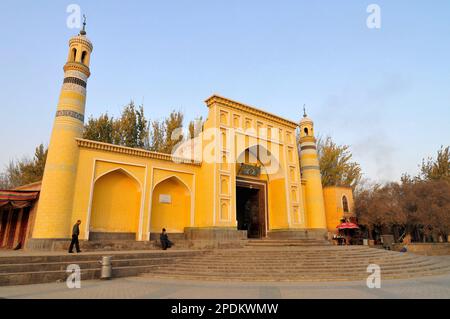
(336, 165)
(195, 127)
(157, 136)
(100, 129)
(25, 171)
(131, 129)
(173, 131)
(412, 205)
(439, 168)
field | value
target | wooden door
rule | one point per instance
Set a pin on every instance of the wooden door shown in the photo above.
(260, 202)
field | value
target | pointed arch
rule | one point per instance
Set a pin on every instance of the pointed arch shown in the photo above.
(171, 208)
(116, 203)
(262, 156)
(175, 177)
(124, 171)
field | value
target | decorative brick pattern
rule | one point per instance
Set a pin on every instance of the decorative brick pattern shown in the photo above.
(70, 113)
(74, 80)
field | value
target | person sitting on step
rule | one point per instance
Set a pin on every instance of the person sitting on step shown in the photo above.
(164, 238)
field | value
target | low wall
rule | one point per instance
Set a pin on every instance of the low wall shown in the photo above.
(428, 249)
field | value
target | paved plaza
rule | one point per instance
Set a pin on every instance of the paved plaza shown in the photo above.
(150, 288)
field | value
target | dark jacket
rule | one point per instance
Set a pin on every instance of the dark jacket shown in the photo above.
(76, 230)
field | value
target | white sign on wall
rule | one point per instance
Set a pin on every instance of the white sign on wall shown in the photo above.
(165, 199)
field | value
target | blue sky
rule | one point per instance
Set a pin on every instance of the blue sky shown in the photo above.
(385, 92)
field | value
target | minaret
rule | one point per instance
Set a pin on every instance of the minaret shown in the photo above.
(53, 218)
(309, 162)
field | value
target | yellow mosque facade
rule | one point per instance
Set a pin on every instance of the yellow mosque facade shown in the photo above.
(243, 176)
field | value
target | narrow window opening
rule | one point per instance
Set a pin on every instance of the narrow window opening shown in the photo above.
(74, 54)
(83, 57)
(345, 204)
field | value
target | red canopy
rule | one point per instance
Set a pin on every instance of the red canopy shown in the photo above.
(347, 226)
(17, 198)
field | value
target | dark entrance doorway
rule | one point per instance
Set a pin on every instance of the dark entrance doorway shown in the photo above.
(251, 208)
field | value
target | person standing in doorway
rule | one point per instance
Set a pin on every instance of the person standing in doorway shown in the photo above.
(75, 234)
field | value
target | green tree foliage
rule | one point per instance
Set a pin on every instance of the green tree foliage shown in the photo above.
(129, 130)
(25, 171)
(132, 129)
(336, 165)
(195, 127)
(439, 168)
(157, 136)
(173, 131)
(100, 129)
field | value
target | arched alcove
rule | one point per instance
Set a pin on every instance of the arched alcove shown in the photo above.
(116, 203)
(171, 206)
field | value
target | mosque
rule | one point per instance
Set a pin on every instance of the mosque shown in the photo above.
(244, 176)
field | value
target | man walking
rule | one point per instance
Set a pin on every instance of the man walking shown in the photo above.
(75, 234)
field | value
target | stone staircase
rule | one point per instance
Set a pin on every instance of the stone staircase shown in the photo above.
(51, 267)
(265, 260)
(297, 261)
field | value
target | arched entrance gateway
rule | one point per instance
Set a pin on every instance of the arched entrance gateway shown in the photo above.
(255, 169)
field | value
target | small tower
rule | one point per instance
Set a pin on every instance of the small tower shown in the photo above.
(53, 218)
(310, 169)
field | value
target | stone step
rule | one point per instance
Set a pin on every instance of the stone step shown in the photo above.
(62, 266)
(304, 255)
(27, 278)
(292, 268)
(300, 255)
(295, 265)
(93, 256)
(252, 244)
(280, 273)
(305, 278)
(275, 259)
(268, 261)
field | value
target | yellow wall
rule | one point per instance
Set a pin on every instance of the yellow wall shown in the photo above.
(116, 203)
(173, 216)
(333, 205)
